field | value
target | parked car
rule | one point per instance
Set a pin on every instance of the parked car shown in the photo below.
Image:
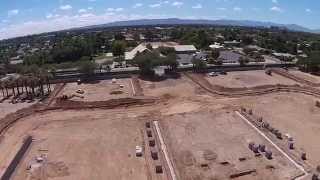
(213, 74)
(223, 73)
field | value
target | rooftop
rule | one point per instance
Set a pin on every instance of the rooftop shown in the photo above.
(184, 48)
(229, 56)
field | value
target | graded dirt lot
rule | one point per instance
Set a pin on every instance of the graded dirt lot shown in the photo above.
(204, 136)
(306, 76)
(100, 90)
(200, 141)
(6, 107)
(295, 114)
(84, 145)
(248, 79)
(181, 87)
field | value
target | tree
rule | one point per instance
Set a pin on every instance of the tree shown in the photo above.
(199, 65)
(166, 50)
(248, 51)
(247, 40)
(85, 58)
(310, 63)
(118, 48)
(243, 61)
(146, 62)
(171, 61)
(149, 46)
(87, 67)
(215, 54)
(119, 37)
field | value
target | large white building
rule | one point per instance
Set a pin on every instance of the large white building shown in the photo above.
(180, 49)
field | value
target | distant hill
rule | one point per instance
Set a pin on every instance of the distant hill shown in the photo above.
(174, 21)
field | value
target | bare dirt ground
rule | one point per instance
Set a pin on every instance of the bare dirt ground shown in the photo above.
(295, 114)
(84, 145)
(249, 79)
(6, 107)
(99, 91)
(200, 141)
(175, 88)
(201, 131)
(306, 76)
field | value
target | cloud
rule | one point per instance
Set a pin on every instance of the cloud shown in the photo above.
(66, 7)
(90, 8)
(177, 4)
(222, 9)
(115, 9)
(275, 1)
(137, 5)
(198, 6)
(237, 9)
(13, 12)
(56, 23)
(308, 10)
(155, 5)
(82, 11)
(4, 21)
(49, 16)
(276, 9)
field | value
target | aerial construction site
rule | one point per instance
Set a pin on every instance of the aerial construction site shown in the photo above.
(244, 125)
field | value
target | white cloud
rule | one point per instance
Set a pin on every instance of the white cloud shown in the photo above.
(177, 4)
(275, 1)
(66, 7)
(222, 9)
(137, 5)
(155, 5)
(57, 23)
(13, 12)
(276, 9)
(198, 6)
(4, 21)
(115, 9)
(237, 9)
(49, 16)
(90, 8)
(308, 10)
(82, 11)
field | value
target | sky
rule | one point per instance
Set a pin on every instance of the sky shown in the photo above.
(24, 17)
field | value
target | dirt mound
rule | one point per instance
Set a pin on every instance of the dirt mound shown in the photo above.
(116, 92)
(113, 103)
(286, 74)
(209, 155)
(253, 91)
(10, 119)
(187, 158)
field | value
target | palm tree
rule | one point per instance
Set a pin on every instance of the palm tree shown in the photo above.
(2, 88)
(6, 85)
(12, 86)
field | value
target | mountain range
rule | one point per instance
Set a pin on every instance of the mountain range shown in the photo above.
(222, 22)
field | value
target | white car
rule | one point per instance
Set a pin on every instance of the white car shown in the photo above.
(213, 74)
